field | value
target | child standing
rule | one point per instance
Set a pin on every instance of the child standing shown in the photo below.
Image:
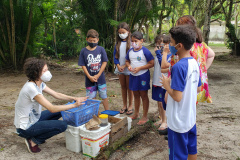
(158, 92)
(138, 60)
(182, 87)
(122, 46)
(93, 60)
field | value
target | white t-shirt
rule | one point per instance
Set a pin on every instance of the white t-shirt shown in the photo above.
(122, 55)
(27, 110)
(157, 68)
(186, 78)
(138, 59)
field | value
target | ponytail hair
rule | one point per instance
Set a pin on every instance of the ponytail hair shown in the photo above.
(125, 26)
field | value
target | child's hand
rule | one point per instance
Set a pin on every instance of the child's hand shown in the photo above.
(136, 70)
(96, 77)
(165, 81)
(130, 68)
(120, 68)
(166, 49)
(92, 79)
(156, 48)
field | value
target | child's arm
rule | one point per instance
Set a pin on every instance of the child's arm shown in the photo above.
(164, 70)
(165, 64)
(116, 61)
(91, 78)
(175, 94)
(104, 64)
(128, 65)
(210, 57)
(150, 64)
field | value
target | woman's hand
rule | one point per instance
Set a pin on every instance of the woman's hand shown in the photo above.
(80, 100)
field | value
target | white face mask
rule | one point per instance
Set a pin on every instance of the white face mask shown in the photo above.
(123, 36)
(46, 76)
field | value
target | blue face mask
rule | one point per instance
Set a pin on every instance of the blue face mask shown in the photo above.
(172, 49)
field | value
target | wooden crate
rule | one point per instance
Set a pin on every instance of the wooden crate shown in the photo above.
(118, 129)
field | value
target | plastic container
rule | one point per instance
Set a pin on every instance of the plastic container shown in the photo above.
(93, 141)
(129, 121)
(110, 112)
(104, 120)
(73, 139)
(82, 114)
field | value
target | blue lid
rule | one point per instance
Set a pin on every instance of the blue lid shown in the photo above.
(110, 112)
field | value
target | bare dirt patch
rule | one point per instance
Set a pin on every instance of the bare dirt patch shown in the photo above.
(218, 124)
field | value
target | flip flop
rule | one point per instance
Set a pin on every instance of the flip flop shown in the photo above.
(140, 123)
(163, 130)
(134, 118)
(122, 111)
(158, 123)
(130, 110)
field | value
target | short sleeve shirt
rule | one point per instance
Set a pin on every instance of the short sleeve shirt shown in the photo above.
(27, 110)
(138, 59)
(185, 77)
(93, 60)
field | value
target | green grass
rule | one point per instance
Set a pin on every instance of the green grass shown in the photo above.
(216, 44)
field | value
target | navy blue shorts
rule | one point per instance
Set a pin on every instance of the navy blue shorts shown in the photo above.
(158, 94)
(140, 83)
(182, 144)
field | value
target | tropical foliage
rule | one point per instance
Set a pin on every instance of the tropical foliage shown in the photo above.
(57, 28)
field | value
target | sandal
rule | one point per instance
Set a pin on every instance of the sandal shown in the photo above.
(163, 130)
(132, 117)
(130, 111)
(122, 111)
(158, 123)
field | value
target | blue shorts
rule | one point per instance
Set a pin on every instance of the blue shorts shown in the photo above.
(182, 144)
(140, 83)
(92, 91)
(158, 94)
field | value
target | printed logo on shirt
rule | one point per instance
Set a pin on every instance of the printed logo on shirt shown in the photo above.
(139, 58)
(94, 63)
(160, 95)
(143, 83)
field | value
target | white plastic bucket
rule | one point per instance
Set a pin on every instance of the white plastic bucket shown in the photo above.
(93, 141)
(73, 139)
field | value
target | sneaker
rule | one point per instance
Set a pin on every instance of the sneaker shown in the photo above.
(31, 149)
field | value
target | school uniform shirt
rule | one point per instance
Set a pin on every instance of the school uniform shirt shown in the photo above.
(185, 77)
(157, 67)
(27, 110)
(93, 60)
(139, 58)
(122, 54)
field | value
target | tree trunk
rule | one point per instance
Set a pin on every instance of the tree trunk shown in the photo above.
(54, 38)
(114, 30)
(208, 14)
(147, 32)
(28, 32)
(14, 61)
(8, 31)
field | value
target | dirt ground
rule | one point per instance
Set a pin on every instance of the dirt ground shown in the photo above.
(218, 124)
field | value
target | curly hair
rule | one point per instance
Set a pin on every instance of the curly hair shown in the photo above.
(33, 68)
(190, 20)
(184, 34)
